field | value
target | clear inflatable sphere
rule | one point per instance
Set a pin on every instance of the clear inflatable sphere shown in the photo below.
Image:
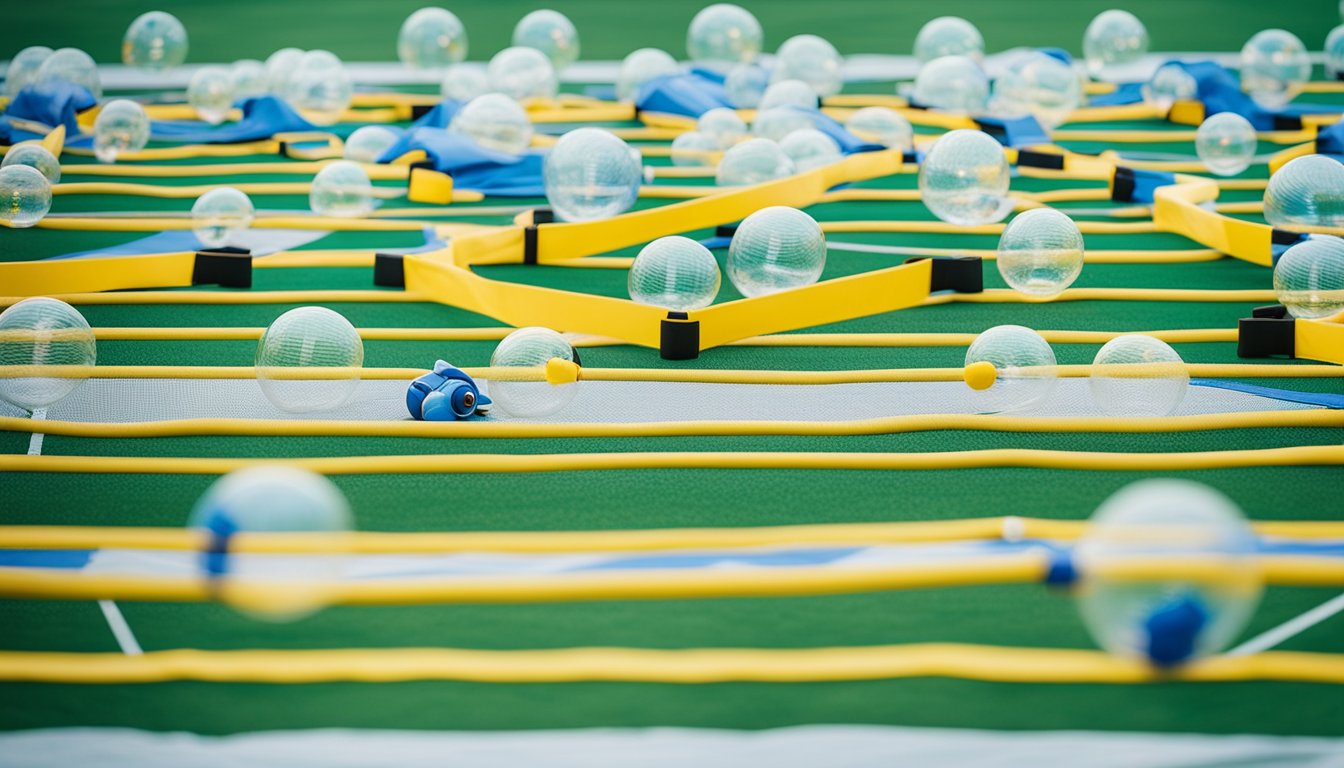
(529, 395)
(1274, 65)
(789, 93)
(23, 68)
(522, 73)
(640, 67)
(71, 65)
(25, 195)
(880, 125)
(675, 273)
(746, 84)
(723, 126)
(1137, 375)
(320, 88)
(369, 142)
(1168, 85)
(1226, 143)
(1040, 252)
(949, 36)
(776, 249)
(431, 38)
(694, 149)
(280, 67)
(1114, 38)
(1309, 277)
(964, 179)
(1023, 370)
(550, 32)
(494, 121)
(809, 148)
(753, 161)
(155, 41)
(249, 79)
(341, 189)
(1212, 589)
(1334, 52)
(464, 82)
(591, 174)
(34, 155)
(277, 499)
(952, 84)
(1041, 86)
(723, 34)
(47, 349)
(121, 126)
(775, 124)
(219, 216)
(309, 359)
(1307, 191)
(812, 60)
(210, 93)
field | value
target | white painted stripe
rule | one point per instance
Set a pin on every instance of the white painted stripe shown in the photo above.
(1291, 628)
(120, 629)
(35, 442)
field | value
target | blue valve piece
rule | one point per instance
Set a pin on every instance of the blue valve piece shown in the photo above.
(447, 394)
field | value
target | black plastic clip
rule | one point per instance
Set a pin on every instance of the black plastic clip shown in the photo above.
(1123, 185)
(1269, 332)
(389, 270)
(226, 266)
(725, 230)
(960, 274)
(1027, 158)
(420, 110)
(680, 339)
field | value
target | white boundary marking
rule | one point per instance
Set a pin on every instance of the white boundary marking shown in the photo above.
(1291, 628)
(35, 442)
(120, 629)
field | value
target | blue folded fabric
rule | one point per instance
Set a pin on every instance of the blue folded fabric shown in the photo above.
(472, 166)
(263, 117)
(440, 116)
(1022, 131)
(690, 94)
(1124, 93)
(1330, 141)
(1323, 399)
(51, 104)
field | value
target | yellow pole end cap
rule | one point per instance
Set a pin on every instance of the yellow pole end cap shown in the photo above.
(431, 187)
(561, 371)
(980, 376)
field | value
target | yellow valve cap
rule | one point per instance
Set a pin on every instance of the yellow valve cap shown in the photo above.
(1186, 112)
(561, 371)
(428, 186)
(55, 141)
(980, 376)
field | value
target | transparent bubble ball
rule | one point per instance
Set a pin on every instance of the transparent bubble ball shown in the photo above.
(341, 189)
(948, 36)
(531, 349)
(591, 174)
(431, 38)
(1025, 369)
(954, 84)
(812, 60)
(155, 40)
(640, 67)
(1334, 52)
(249, 79)
(745, 84)
(723, 126)
(675, 273)
(23, 68)
(1226, 143)
(789, 93)
(210, 93)
(775, 124)
(309, 359)
(1170, 84)
(1309, 277)
(1040, 252)
(34, 155)
(1274, 65)
(1041, 86)
(752, 162)
(1114, 38)
(121, 126)
(277, 498)
(39, 332)
(1138, 375)
(219, 216)
(280, 68)
(1307, 191)
(320, 87)
(723, 33)
(494, 121)
(369, 142)
(522, 73)
(964, 179)
(809, 148)
(1176, 520)
(776, 249)
(71, 65)
(880, 125)
(464, 82)
(550, 32)
(25, 195)
(693, 149)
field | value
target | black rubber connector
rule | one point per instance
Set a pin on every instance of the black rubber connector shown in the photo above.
(1122, 185)
(1029, 159)
(680, 338)
(530, 244)
(1270, 332)
(961, 274)
(389, 270)
(1287, 122)
(543, 216)
(420, 110)
(726, 230)
(227, 267)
